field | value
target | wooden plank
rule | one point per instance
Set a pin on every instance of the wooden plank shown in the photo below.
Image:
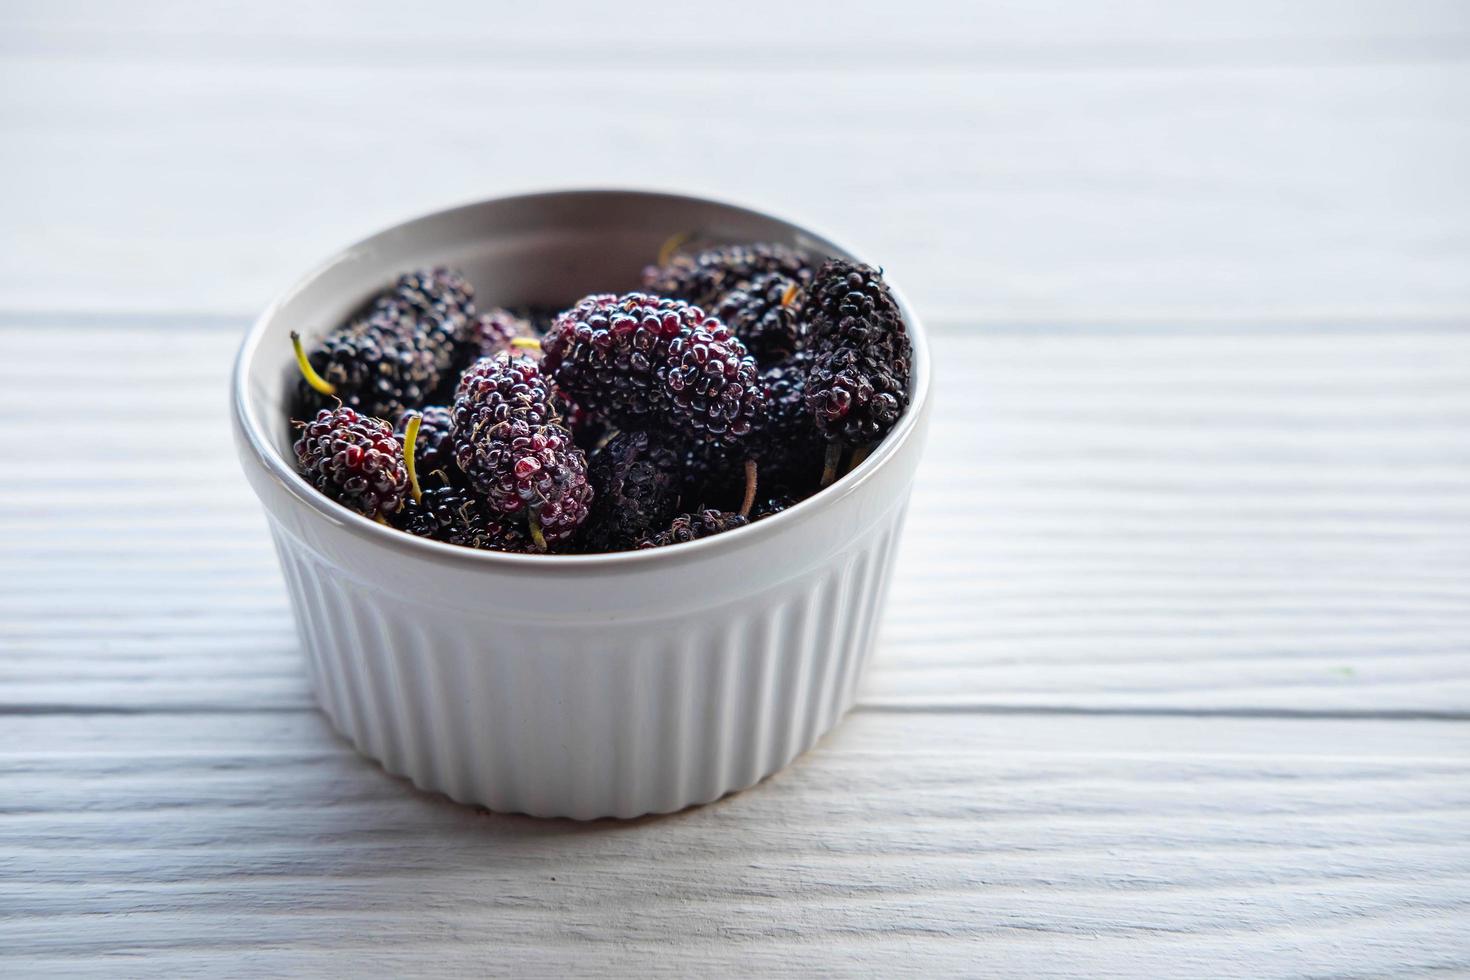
(937, 844)
(1213, 520)
(997, 194)
(874, 37)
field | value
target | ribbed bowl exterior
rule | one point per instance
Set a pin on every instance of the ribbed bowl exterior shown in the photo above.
(649, 714)
(572, 686)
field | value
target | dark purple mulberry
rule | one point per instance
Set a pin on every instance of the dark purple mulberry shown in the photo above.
(439, 305)
(785, 444)
(355, 460)
(638, 361)
(858, 382)
(434, 448)
(704, 277)
(691, 527)
(491, 333)
(511, 444)
(765, 314)
(636, 480)
(401, 351)
(452, 515)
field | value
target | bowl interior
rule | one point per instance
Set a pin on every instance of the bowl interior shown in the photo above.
(541, 249)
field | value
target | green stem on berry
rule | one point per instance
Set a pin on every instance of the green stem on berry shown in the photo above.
(750, 485)
(525, 343)
(410, 444)
(671, 245)
(829, 464)
(537, 536)
(317, 382)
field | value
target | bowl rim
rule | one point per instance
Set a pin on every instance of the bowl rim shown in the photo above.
(264, 453)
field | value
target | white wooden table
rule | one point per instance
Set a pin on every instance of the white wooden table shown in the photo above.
(1176, 675)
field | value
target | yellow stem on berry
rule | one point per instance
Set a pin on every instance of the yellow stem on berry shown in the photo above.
(537, 536)
(671, 245)
(410, 444)
(829, 465)
(858, 455)
(525, 343)
(308, 372)
(789, 296)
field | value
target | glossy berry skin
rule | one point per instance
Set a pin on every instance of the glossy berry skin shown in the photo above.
(636, 483)
(355, 460)
(785, 444)
(434, 449)
(438, 305)
(455, 516)
(772, 330)
(399, 352)
(497, 389)
(858, 381)
(692, 527)
(491, 333)
(703, 278)
(510, 443)
(641, 362)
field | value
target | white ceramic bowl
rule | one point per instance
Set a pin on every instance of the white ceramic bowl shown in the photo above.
(574, 686)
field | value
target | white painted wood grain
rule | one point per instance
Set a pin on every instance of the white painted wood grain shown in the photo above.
(1226, 520)
(188, 163)
(956, 844)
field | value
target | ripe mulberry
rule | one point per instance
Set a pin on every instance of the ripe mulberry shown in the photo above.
(704, 277)
(397, 354)
(639, 361)
(765, 314)
(785, 445)
(692, 527)
(355, 460)
(858, 382)
(439, 305)
(454, 516)
(491, 333)
(636, 482)
(511, 444)
(434, 447)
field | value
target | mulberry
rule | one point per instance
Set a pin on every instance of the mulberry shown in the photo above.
(704, 277)
(692, 527)
(511, 444)
(858, 382)
(638, 360)
(396, 355)
(433, 450)
(355, 460)
(636, 482)
(452, 515)
(491, 333)
(785, 445)
(765, 314)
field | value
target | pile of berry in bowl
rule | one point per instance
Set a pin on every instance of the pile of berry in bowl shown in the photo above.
(732, 385)
(586, 501)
